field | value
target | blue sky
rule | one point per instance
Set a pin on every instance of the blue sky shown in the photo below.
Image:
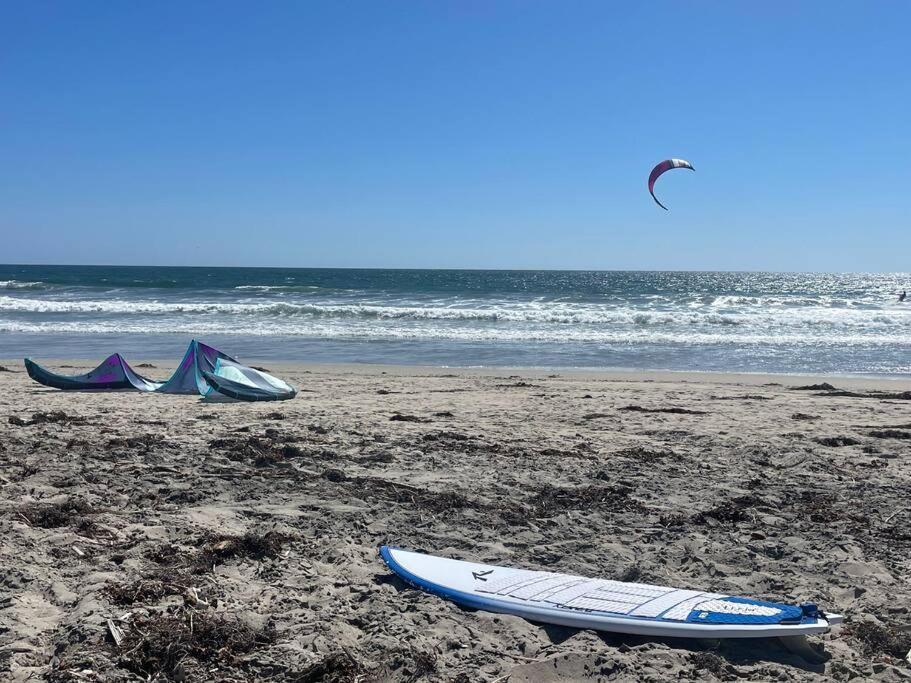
(476, 133)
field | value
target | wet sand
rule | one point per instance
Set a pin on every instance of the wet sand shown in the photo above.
(238, 541)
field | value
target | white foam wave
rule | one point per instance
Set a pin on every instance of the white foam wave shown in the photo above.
(476, 312)
(279, 288)
(18, 284)
(334, 330)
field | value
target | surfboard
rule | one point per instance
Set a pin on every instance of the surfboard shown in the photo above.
(602, 604)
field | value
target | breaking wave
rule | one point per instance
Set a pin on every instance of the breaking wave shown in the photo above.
(535, 312)
(16, 284)
(788, 322)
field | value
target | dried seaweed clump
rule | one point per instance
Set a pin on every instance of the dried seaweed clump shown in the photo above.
(55, 515)
(253, 546)
(177, 647)
(876, 640)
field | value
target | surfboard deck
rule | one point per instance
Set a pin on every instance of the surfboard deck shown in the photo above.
(602, 604)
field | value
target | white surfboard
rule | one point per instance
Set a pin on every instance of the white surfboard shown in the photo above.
(604, 605)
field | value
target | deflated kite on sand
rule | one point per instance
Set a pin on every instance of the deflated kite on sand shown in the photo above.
(204, 370)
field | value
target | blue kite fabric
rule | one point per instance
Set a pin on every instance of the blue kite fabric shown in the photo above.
(204, 371)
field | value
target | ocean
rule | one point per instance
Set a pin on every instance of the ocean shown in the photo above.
(714, 321)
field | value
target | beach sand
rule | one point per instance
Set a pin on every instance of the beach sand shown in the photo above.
(239, 542)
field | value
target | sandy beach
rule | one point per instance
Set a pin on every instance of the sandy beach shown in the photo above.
(239, 542)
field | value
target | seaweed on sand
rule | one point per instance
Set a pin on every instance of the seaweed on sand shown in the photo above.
(172, 646)
(55, 515)
(368, 488)
(52, 417)
(552, 500)
(253, 546)
(337, 667)
(671, 410)
(148, 589)
(877, 640)
(731, 511)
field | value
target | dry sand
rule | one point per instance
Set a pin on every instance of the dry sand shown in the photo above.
(238, 542)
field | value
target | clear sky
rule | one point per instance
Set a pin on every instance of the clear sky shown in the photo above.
(472, 133)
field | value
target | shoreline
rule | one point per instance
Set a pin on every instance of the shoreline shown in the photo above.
(851, 381)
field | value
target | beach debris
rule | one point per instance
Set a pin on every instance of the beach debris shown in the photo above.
(3, 368)
(881, 395)
(730, 511)
(836, 441)
(335, 667)
(52, 417)
(804, 416)
(661, 168)
(446, 436)
(890, 434)
(876, 639)
(895, 514)
(146, 365)
(143, 442)
(178, 646)
(673, 411)
(595, 416)
(820, 506)
(334, 475)
(552, 500)
(115, 631)
(712, 663)
(54, 515)
(148, 589)
(251, 545)
(192, 597)
(642, 454)
(263, 451)
(829, 391)
(375, 488)
(381, 457)
(399, 417)
(630, 574)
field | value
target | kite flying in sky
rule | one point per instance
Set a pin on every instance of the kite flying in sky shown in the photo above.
(665, 165)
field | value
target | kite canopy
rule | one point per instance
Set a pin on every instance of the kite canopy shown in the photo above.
(188, 377)
(665, 165)
(199, 361)
(241, 383)
(114, 373)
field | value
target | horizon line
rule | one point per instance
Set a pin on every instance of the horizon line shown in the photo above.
(459, 269)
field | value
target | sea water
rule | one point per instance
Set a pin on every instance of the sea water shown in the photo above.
(753, 322)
